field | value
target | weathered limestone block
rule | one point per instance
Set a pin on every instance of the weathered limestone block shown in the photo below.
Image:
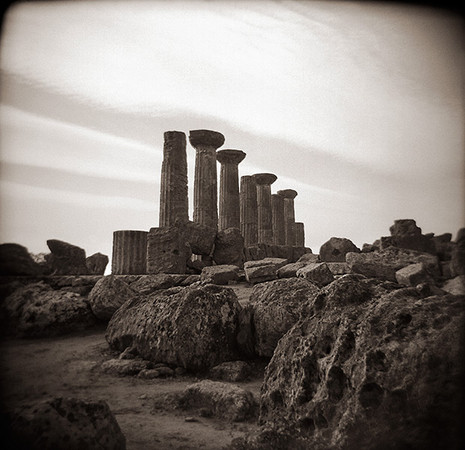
(277, 208)
(148, 284)
(413, 275)
(290, 270)
(229, 247)
(205, 143)
(248, 210)
(276, 307)
(406, 234)
(263, 270)
(299, 234)
(68, 423)
(383, 370)
(317, 273)
(255, 252)
(222, 400)
(384, 264)
(221, 274)
(229, 205)
(264, 213)
(37, 310)
(338, 268)
(455, 286)
(108, 294)
(129, 252)
(96, 263)
(403, 227)
(201, 238)
(289, 214)
(174, 205)
(336, 249)
(167, 251)
(309, 258)
(16, 260)
(193, 327)
(65, 258)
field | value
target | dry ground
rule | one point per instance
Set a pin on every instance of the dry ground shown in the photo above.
(70, 366)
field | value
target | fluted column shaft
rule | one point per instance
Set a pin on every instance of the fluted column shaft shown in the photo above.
(248, 210)
(289, 215)
(229, 204)
(299, 234)
(265, 224)
(129, 252)
(174, 205)
(277, 208)
(205, 143)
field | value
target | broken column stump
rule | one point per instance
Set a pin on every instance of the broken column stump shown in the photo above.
(129, 252)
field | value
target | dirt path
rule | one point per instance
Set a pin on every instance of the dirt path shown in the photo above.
(70, 366)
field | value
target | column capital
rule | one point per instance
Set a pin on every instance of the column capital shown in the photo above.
(265, 178)
(230, 156)
(288, 193)
(206, 137)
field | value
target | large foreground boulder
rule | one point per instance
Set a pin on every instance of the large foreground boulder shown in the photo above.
(193, 327)
(37, 310)
(65, 423)
(108, 294)
(375, 367)
(276, 306)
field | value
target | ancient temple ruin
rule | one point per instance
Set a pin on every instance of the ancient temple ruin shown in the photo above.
(246, 221)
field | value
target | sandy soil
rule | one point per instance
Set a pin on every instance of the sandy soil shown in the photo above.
(69, 366)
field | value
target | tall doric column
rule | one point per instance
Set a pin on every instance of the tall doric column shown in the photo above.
(129, 252)
(299, 234)
(248, 201)
(205, 143)
(174, 205)
(277, 209)
(229, 209)
(265, 226)
(289, 214)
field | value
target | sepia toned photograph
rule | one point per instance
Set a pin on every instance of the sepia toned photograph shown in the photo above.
(232, 225)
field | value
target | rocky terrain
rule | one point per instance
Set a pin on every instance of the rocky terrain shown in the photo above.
(348, 348)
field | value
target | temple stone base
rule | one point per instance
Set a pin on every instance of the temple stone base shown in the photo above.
(260, 251)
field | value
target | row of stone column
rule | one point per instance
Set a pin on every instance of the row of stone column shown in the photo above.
(261, 216)
(268, 218)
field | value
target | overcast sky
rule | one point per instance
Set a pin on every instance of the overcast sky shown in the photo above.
(357, 106)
